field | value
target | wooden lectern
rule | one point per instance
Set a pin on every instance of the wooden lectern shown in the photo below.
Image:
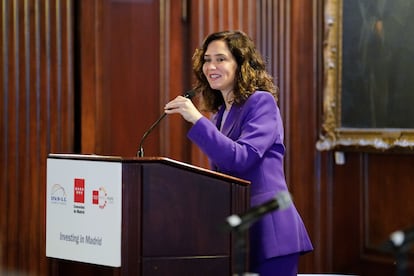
(173, 217)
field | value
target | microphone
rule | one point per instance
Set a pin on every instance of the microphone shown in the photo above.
(401, 239)
(281, 201)
(189, 94)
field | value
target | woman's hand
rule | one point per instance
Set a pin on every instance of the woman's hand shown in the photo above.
(185, 107)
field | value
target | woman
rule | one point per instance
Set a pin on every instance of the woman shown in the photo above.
(244, 138)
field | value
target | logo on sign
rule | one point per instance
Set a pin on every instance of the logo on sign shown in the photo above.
(79, 196)
(58, 195)
(95, 197)
(100, 198)
(79, 190)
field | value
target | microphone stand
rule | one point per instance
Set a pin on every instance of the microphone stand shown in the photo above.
(140, 152)
(189, 94)
(240, 251)
(401, 258)
(401, 262)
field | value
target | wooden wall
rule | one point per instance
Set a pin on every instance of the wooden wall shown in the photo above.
(37, 117)
(92, 76)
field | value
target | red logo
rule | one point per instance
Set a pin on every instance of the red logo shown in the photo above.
(100, 197)
(95, 197)
(79, 190)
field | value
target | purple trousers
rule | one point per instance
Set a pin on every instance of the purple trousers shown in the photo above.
(279, 266)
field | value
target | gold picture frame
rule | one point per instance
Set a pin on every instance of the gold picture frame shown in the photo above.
(334, 133)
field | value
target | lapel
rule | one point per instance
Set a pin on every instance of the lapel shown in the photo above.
(218, 117)
(231, 119)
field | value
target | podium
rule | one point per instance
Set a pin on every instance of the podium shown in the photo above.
(109, 215)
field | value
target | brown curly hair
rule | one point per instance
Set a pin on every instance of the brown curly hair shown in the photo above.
(251, 74)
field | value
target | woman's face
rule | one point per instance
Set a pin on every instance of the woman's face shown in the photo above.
(220, 67)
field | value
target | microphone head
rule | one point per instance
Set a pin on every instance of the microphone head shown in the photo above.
(283, 199)
(397, 238)
(189, 94)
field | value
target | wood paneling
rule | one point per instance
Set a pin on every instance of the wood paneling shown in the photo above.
(175, 62)
(37, 112)
(89, 58)
(371, 199)
(301, 125)
(387, 198)
(120, 78)
(92, 76)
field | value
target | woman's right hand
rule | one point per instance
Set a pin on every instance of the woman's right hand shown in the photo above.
(185, 107)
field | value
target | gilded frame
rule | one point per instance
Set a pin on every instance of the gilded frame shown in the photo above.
(333, 134)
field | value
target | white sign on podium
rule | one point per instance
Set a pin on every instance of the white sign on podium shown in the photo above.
(84, 211)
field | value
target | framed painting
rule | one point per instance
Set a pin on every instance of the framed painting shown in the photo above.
(368, 54)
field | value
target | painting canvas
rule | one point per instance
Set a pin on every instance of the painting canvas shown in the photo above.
(369, 74)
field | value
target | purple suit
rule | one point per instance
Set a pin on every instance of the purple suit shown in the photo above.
(250, 147)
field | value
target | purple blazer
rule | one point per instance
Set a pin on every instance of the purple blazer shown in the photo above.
(250, 147)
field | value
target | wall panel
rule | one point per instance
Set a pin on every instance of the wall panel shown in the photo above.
(121, 62)
(175, 56)
(300, 112)
(36, 79)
